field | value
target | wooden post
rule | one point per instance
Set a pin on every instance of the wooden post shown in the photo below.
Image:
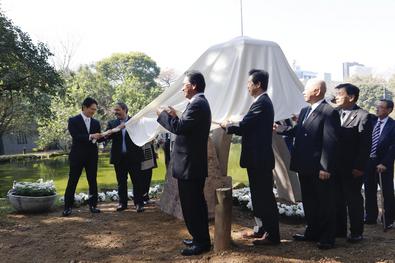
(223, 219)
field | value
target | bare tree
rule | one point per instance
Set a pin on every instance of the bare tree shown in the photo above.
(64, 53)
(167, 77)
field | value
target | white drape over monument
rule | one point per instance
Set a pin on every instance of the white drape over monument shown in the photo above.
(225, 68)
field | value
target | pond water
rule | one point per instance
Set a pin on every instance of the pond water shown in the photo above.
(57, 169)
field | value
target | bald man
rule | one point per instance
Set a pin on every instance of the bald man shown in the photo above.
(316, 136)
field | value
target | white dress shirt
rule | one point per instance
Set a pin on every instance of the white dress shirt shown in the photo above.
(257, 97)
(383, 122)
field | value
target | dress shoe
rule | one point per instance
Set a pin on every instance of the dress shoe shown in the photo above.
(195, 250)
(94, 210)
(300, 237)
(265, 242)
(325, 245)
(188, 242)
(67, 212)
(121, 208)
(252, 235)
(354, 239)
(139, 208)
(388, 227)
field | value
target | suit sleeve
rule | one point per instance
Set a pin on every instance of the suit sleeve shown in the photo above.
(99, 131)
(290, 132)
(330, 141)
(76, 133)
(365, 142)
(109, 127)
(249, 121)
(187, 123)
(388, 159)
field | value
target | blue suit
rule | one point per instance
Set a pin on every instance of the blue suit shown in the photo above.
(385, 155)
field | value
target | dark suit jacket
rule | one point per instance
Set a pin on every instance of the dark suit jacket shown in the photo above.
(256, 130)
(190, 146)
(82, 148)
(386, 146)
(316, 140)
(355, 141)
(134, 153)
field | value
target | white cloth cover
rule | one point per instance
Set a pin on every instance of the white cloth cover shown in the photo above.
(225, 68)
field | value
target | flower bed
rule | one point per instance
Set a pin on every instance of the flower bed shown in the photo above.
(112, 196)
(242, 197)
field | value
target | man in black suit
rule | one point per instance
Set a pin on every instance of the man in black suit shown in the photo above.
(354, 148)
(85, 131)
(126, 158)
(257, 156)
(381, 160)
(190, 165)
(313, 158)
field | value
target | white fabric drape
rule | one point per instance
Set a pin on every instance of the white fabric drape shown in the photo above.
(225, 68)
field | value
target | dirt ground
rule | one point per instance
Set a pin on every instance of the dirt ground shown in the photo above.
(153, 236)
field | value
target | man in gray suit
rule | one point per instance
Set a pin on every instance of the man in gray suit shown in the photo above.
(190, 159)
(355, 140)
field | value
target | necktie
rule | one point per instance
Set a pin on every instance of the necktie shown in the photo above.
(88, 124)
(123, 139)
(343, 117)
(307, 114)
(375, 139)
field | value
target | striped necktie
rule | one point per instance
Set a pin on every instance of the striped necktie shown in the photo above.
(375, 139)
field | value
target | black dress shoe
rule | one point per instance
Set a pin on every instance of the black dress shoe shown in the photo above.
(195, 250)
(121, 208)
(139, 208)
(300, 237)
(390, 226)
(354, 239)
(67, 212)
(94, 210)
(188, 242)
(325, 245)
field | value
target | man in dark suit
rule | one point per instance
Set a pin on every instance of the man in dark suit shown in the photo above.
(381, 160)
(257, 156)
(313, 158)
(354, 148)
(85, 131)
(126, 158)
(190, 165)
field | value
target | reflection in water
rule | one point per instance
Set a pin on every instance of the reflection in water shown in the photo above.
(57, 169)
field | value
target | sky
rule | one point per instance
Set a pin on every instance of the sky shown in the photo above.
(318, 34)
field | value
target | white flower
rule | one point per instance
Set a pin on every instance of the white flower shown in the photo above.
(101, 197)
(281, 211)
(249, 206)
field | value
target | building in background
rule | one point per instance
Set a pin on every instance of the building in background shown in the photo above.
(17, 143)
(305, 75)
(355, 69)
